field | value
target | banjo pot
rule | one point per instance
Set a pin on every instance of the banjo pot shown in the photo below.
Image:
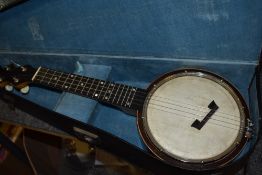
(194, 119)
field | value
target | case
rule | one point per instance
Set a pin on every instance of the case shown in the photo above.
(130, 42)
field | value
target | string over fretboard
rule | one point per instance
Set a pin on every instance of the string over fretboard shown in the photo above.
(100, 90)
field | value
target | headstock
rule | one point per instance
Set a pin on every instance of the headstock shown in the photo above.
(16, 76)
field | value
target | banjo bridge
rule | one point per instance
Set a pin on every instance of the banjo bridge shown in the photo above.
(199, 124)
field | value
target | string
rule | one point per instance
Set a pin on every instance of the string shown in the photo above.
(192, 113)
(94, 91)
(98, 91)
(142, 99)
(49, 82)
(180, 115)
(187, 104)
(135, 99)
(174, 104)
(193, 105)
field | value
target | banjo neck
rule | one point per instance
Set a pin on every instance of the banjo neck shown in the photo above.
(128, 98)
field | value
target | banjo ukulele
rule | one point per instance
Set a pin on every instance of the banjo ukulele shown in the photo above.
(189, 118)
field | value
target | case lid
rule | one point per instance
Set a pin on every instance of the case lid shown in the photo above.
(222, 30)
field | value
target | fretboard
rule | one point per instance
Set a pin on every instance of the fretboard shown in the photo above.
(104, 91)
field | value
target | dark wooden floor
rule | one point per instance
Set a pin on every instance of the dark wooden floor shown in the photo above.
(13, 166)
(49, 155)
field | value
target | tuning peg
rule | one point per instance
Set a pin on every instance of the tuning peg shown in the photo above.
(23, 68)
(16, 64)
(16, 80)
(9, 88)
(7, 68)
(25, 90)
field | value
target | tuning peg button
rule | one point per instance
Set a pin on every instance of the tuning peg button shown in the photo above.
(7, 68)
(16, 80)
(24, 90)
(9, 88)
(23, 69)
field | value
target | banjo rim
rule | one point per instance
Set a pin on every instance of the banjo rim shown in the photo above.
(208, 165)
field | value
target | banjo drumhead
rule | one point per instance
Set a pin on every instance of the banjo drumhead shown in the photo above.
(176, 101)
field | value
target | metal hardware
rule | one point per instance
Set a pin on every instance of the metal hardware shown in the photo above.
(23, 69)
(86, 136)
(24, 90)
(9, 88)
(249, 129)
(16, 80)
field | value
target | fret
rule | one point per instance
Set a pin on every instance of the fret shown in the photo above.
(102, 83)
(124, 95)
(127, 100)
(78, 84)
(131, 101)
(95, 90)
(71, 84)
(121, 94)
(67, 84)
(90, 87)
(79, 81)
(64, 86)
(36, 73)
(52, 74)
(116, 92)
(96, 93)
(46, 77)
(60, 80)
(42, 76)
(105, 95)
(38, 77)
(84, 85)
(111, 85)
(53, 80)
(57, 78)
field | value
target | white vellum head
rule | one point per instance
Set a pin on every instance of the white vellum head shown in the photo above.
(177, 102)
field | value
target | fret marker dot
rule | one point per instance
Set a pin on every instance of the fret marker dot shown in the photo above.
(82, 84)
(55, 78)
(102, 82)
(96, 95)
(106, 98)
(66, 87)
(133, 89)
(71, 76)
